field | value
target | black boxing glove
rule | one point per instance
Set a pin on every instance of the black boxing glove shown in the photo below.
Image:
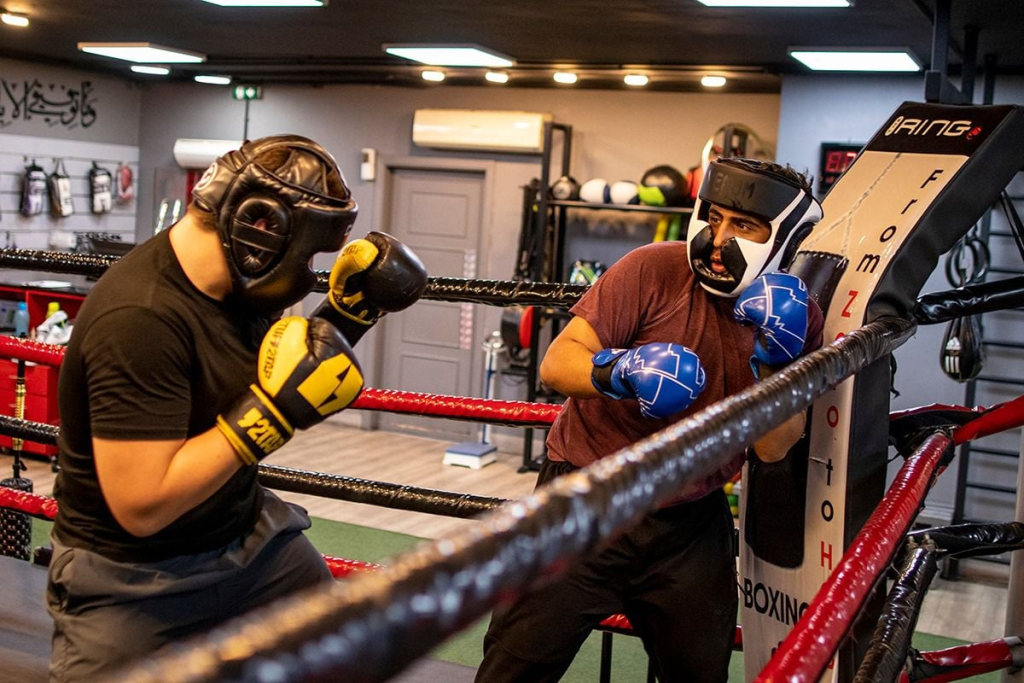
(371, 277)
(306, 373)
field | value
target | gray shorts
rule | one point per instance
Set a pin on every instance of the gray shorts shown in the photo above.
(108, 613)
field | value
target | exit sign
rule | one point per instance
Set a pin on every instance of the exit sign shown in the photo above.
(247, 92)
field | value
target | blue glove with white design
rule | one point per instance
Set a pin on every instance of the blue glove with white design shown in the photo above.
(664, 378)
(776, 304)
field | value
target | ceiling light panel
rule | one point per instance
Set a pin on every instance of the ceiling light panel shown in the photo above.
(856, 60)
(14, 19)
(775, 3)
(143, 53)
(450, 55)
(151, 70)
(268, 3)
(213, 80)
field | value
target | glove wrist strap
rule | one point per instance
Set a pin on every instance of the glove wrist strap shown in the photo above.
(254, 427)
(601, 375)
(351, 327)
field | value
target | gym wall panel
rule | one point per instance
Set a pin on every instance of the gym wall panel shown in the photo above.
(43, 231)
(49, 113)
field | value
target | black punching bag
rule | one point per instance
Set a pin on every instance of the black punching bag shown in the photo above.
(962, 355)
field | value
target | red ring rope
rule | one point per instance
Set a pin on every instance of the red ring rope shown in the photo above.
(437, 405)
(806, 651)
(29, 503)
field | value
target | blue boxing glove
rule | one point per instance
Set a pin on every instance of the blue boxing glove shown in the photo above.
(664, 378)
(776, 304)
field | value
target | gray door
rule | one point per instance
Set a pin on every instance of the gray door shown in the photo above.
(430, 347)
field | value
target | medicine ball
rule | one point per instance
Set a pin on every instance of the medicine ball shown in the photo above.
(663, 186)
(624, 192)
(565, 188)
(596, 191)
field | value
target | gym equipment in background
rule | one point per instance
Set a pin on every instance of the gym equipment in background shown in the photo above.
(596, 191)
(477, 454)
(565, 188)
(625, 192)
(664, 185)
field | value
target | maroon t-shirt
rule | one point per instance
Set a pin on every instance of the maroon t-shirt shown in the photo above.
(650, 295)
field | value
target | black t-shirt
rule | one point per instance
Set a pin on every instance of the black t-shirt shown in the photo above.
(151, 358)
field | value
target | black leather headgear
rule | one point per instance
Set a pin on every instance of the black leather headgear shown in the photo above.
(744, 185)
(270, 267)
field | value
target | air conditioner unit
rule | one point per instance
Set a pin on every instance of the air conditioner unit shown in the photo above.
(518, 132)
(192, 153)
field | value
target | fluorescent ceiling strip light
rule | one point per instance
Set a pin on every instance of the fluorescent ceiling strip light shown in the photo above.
(268, 3)
(433, 76)
(151, 70)
(855, 60)
(213, 80)
(450, 55)
(713, 81)
(776, 3)
(14, 19)
(144, 53)
(496, 76)
(566, 77)
(635, 80)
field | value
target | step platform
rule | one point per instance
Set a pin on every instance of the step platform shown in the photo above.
(471, 454)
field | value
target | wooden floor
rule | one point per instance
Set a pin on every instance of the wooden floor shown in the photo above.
(971, 609)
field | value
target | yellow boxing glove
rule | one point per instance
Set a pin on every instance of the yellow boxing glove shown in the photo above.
(306, 372)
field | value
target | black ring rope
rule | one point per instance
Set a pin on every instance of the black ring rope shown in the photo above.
(395, 496)
(890, 643)
(891, 639)
(333, 486)
(371, 627)
(496, 292)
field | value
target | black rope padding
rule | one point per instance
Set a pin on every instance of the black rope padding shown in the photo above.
(890, 642)
(37, 432)
(369, 628)
(497, 292)
(56, 261)
(396, 496)
(334, 486)
(985, 297)
(973, 540)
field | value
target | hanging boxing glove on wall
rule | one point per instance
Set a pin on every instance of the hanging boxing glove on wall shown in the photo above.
(100, 183)
(59, 185)
(962, 355)
(33, 187)
(124, 192)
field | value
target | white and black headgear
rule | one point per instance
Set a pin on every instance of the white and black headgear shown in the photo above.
(751, 187)
(270, 267)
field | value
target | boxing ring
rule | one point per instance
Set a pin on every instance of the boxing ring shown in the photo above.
(598, 501)
(374, 623)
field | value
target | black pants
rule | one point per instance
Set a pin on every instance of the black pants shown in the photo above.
(107, 614)
(673, 575)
